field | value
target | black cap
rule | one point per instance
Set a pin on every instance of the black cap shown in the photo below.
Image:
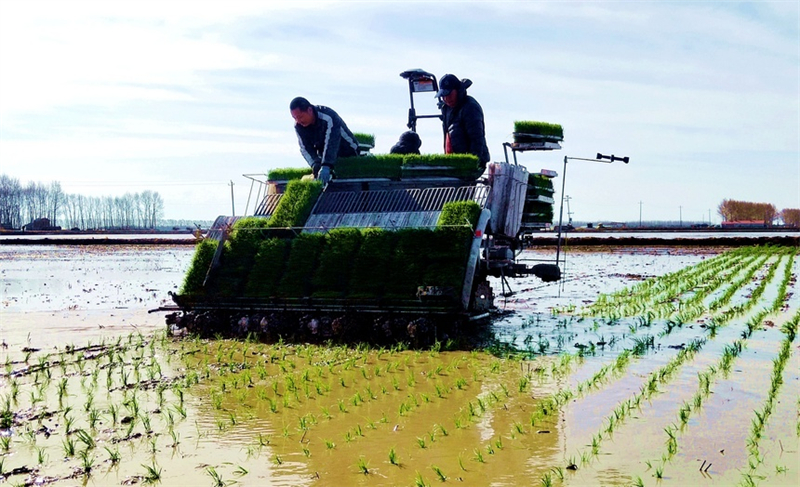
(448, 83)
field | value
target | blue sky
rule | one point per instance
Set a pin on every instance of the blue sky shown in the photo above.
(183, 97)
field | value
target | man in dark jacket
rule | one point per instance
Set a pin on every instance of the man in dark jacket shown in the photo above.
(462, 120)
(409, 143)
(323, 136)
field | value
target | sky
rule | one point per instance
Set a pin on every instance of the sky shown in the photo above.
(184, 98)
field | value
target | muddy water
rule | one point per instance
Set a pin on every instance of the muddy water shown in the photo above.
(62, 294)
(198, 412)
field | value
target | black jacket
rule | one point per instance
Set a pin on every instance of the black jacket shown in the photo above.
(328, 138)
(464, 124)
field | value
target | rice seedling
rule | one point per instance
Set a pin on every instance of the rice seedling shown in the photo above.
(152, 473)
(362, 465)
(329, 444)
(41, 456)
(68, 445)
(419, 481)
(596, 444)
(131, 426)
(216, 401)
(86, 439)
(114, 456)
(439, 473)
(145, 420)
(478, 456)
(216, 478)
(5, 443)
(87, 462)
(175, 439)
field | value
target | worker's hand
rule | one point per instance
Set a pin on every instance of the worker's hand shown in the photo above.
(324, 174)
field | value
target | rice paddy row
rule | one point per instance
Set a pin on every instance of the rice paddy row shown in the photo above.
(139, 409)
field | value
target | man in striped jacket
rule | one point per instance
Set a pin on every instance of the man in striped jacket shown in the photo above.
(323, 137)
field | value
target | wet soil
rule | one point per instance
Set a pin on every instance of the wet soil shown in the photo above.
(93, 392)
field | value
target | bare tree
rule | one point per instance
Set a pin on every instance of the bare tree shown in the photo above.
(10, 202)
(20, 205)
(732, 210)
(791, 217)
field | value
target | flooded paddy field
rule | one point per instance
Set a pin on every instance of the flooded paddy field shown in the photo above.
(644, 366)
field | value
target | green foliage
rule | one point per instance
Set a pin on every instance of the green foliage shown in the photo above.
(447, 257)
(541, 184)
(366, 139)
(268, 267)
(538, 128)
(288, 173)
(296, 204)
(408, 262)
(394, 166)
(454, 165)
(459, 213)
(336, 261)
(303, 260)
(371, 166)
(372, 263)
(238, 255)
(537, 212)
(203, 254)
(248, 231)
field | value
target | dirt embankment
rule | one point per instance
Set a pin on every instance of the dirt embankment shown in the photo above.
(786, 240)
(97, 241)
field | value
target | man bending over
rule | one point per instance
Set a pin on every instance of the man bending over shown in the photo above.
(323, 137)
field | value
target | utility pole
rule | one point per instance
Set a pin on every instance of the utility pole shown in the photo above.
(640, 214)
(233, 208)
(569, 212)
(680, 216)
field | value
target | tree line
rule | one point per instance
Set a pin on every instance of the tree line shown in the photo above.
(20, 205)
(732, 210)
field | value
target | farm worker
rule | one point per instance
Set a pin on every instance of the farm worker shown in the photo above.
(409, 143)
(323, 137)
(462, 119)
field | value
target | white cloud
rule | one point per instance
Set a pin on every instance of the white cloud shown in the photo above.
(197, 91)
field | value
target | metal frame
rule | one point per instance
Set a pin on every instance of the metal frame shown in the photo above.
(415, 75)
(600, 158)
(262, 184)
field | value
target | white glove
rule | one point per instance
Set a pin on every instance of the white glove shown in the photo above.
(324, 174)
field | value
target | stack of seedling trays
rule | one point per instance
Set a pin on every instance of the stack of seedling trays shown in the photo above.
(538, 210)
(262, 265)
(530, 135)
(366, 142)
(397, 166)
